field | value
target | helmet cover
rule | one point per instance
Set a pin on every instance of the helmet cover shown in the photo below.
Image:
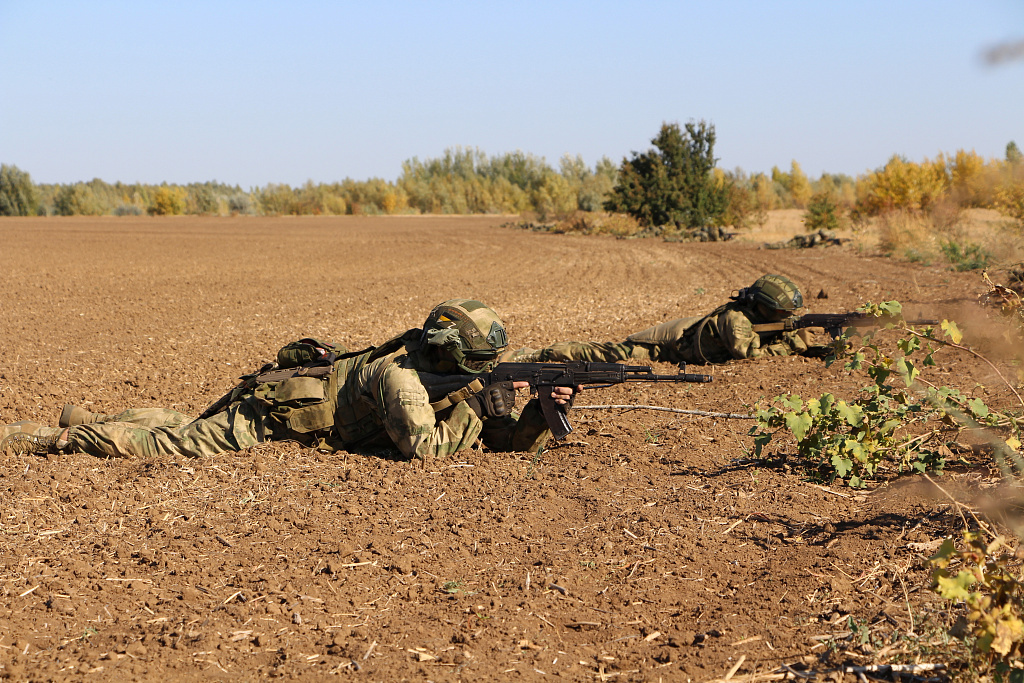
(468, 333)
(776, 293)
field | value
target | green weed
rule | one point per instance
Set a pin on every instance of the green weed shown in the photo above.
(966, 255)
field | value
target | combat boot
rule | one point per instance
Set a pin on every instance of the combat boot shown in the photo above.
(23, 443)
(76, 415)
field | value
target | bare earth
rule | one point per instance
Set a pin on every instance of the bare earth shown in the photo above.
(646, 547)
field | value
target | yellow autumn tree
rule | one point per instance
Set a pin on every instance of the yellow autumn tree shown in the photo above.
(168, 201)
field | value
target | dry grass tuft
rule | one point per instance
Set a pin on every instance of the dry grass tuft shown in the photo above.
(616, 224)
(909, 236)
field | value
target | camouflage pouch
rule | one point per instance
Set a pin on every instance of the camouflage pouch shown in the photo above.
(298, 405)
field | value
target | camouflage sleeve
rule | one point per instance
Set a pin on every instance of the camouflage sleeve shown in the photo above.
(527, 432)
(738, 335)
(410, 421)
(601, 352)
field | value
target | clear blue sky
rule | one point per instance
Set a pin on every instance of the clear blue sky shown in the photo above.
(251, 93)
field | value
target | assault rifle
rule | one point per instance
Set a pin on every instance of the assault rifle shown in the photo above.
(833, 323)
(446, 390)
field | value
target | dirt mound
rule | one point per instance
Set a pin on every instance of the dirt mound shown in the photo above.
(644, 547)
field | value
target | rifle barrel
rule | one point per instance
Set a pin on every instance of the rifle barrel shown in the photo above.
(685, 377)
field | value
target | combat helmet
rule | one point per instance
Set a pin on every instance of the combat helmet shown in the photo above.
(467, 335)
(775, 292)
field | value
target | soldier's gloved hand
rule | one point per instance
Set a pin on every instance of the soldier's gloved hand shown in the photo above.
(494, 400)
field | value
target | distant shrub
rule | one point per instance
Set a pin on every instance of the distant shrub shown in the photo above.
(277, 200)
(620, 225)
(1013, 153)
(793, 188)
(129, 210)
(598, 223)
(907, 235)
(1010, 202)
(201, 200)
(946, 215)
(366, 209)
(78, 200)
(17, 193)
(335, 205)
(902, 185)
(594, 188)
(741, 208)
(800, 186)
(168, 201)
(554, 197)
(241, 204)
(822, 213)
(971, 179)
(965, 255)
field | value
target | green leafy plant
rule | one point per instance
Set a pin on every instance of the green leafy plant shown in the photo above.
(966, 255)
(900, 421)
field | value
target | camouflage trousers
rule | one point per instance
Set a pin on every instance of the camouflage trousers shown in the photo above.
(158, 431)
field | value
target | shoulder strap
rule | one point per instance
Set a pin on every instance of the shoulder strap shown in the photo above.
(761, 328)
(457, 396)
(393, 344)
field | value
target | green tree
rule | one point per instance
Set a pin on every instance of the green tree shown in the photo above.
(201, 199)
(822, 213)
(597, 186)
(672, 183)
(17, 193)
(1013, 153)
(79, 199)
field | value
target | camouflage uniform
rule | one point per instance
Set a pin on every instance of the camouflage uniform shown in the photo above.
(373, 398)
(724, 334)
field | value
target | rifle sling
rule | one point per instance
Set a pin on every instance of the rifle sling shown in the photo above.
(770, 327)
(457, 396)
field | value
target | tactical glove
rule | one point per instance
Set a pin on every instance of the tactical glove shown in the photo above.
(494, 400)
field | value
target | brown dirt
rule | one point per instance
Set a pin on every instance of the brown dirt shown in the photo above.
(646, 547)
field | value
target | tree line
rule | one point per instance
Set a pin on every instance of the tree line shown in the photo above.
(675, 184)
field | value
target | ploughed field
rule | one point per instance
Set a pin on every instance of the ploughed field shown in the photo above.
(646, 546)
